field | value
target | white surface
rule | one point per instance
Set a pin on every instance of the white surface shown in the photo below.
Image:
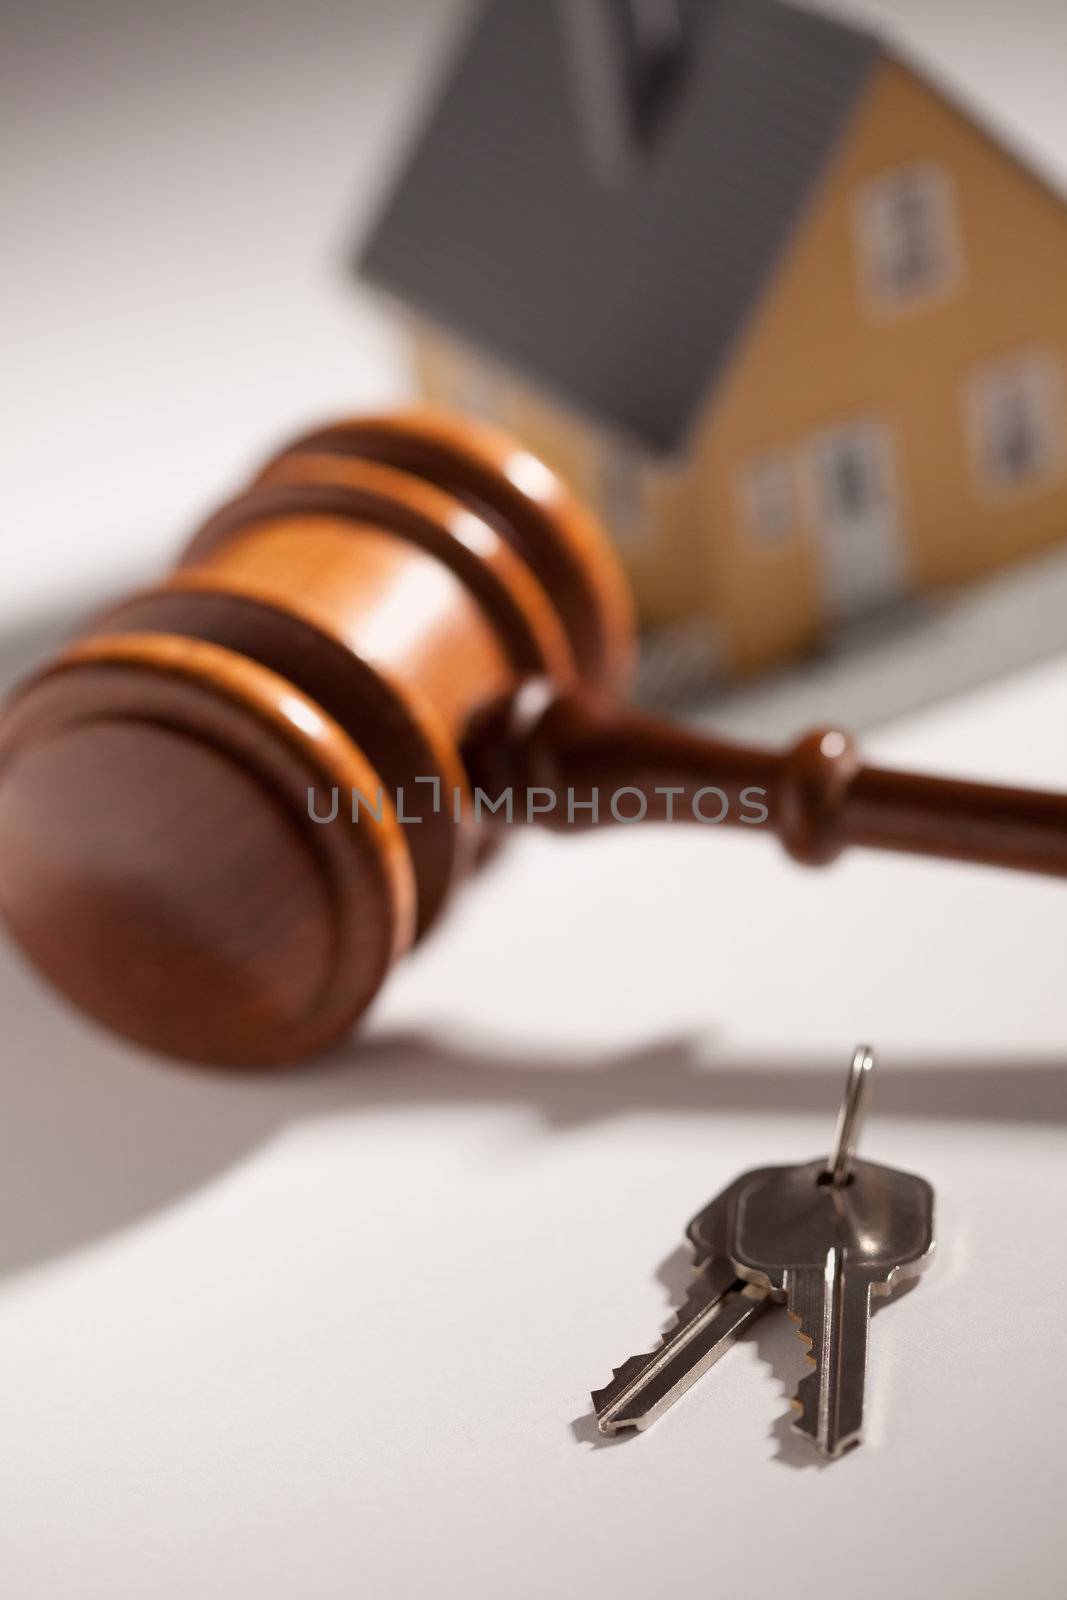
(334, 1334)
(327, 1335)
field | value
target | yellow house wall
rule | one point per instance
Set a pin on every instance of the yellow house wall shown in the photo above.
(451, 374)
(817, 356)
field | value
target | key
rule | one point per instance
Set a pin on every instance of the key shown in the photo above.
(825, 1237)
(718, 1308)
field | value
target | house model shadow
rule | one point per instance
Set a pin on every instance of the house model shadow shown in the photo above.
(772, 298)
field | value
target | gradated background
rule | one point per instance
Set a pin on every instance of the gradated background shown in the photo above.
(334, 1334)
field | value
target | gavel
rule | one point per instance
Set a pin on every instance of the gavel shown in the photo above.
(234, 802)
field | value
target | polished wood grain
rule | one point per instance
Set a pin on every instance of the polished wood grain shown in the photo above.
(231, 806)
(398, 733)
(558, 538)
(820, 798)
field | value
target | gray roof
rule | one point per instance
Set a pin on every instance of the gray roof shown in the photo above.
(622, 295)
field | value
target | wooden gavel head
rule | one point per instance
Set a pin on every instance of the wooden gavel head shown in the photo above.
(236, 800)
(343, 627)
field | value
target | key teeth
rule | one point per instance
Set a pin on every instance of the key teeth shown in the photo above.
(620, 1377)
(690, 1307)
(805, 1402)
(698, 1295)
(805, 1405)
(806, 1339)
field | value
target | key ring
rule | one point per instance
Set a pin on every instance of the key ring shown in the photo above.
(850, 1117)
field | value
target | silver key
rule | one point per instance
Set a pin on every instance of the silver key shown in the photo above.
(825, 1237)
(719, 1306)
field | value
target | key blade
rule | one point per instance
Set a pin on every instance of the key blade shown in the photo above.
(718, 1308)
(710, 1288)
(826, 1248)
(832, 1310)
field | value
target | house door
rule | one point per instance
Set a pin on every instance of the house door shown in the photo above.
(857, 516)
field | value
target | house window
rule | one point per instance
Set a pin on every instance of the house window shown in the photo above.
(769, 498)
(907, 236)
(851, 479)
(1016, 422)
(622, 495)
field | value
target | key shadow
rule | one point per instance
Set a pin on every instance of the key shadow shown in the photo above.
(778, 1345)
(781, 1348)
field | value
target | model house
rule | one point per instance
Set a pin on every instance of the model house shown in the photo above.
(789, 315)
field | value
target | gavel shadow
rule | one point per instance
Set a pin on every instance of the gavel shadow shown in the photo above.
(93, 1138)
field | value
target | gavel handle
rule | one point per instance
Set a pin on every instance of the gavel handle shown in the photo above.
(818, 796)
